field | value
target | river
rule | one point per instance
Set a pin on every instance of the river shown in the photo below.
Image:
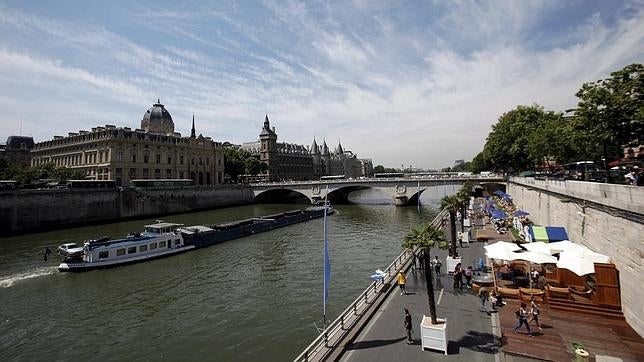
(255, 298)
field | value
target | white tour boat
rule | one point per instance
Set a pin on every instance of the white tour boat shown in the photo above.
(156, 241)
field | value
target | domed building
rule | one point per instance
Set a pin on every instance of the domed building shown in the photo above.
(158, 120)
(152, 152)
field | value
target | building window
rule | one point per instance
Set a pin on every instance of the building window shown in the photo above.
(162, 244)
(157, 173)
(146, 158)
(153, 246)
(103, 254)
(168, 173)
(200, 161)
(192, 161)
(133, 158)
(143, 248)
(181, 160)
(146, 173)
(169, 160)
(120, 252)
(132, 173)
(119, 171)
(219, 161)
(131, 250)
(207, 160)
(158, 158)
(180, 174)
(119, 156)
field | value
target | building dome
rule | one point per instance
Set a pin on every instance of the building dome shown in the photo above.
(158, 120)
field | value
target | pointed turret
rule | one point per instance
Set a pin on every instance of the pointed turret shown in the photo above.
(325, 148)
(266, 130)
(193, 134)
(339, 150)
(315, 150)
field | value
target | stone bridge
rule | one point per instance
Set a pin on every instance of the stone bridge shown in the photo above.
(404, 191)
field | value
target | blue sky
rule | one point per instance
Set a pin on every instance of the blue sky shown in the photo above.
(401, 82)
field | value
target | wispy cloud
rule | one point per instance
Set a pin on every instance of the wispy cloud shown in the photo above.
(405, 84)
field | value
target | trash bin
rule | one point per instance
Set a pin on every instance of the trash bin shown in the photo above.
(581, 355)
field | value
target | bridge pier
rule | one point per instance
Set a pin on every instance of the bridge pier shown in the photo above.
(401, 200)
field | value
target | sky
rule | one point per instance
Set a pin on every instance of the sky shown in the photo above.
(413, 83)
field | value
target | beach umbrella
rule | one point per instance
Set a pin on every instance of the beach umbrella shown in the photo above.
(539, 247)
(498, 214)
(564, 245)
(581, 261)
(535, 257)
(520, 213)
(501, 250)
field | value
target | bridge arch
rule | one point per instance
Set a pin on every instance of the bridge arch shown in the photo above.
(281, 195)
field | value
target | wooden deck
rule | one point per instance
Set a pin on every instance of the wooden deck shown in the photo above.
(600, 336)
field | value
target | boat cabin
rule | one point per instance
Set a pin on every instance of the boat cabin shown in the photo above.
(162, 228)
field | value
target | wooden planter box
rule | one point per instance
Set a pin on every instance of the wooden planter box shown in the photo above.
(433, 336)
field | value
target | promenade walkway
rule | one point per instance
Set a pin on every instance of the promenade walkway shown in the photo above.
(470, 331)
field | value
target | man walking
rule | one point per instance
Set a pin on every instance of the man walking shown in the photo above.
(401, 282)
(437, 266)
(408, 326)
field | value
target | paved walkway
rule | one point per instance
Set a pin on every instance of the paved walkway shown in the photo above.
(470, 331)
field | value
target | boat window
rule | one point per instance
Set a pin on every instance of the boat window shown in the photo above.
(143, 248)
(177, 242)
(153, 246)
(120, 252)
(103, 254)
(162, 244)
(131, 250)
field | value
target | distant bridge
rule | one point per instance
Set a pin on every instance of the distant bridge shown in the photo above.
(404, 191)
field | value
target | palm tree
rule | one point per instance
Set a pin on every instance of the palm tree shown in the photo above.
(463, 196)
(452, 204)
(425, 237)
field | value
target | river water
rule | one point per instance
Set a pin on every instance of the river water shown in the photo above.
(255, 298)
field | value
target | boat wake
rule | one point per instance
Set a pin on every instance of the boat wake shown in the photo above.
(8, 281)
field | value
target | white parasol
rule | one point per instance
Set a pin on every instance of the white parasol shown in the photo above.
(501, 250)
(535, 257)
(539, 247)
(581, 261)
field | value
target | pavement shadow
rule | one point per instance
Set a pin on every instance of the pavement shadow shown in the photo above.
(479, 342)
(374, 343)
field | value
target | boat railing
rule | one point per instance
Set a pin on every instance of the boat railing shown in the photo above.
(333, 334)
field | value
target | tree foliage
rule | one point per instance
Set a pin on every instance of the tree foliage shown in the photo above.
(609, 117)
(239, 162)
(26, 176)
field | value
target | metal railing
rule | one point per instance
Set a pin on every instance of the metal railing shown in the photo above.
(334, 332)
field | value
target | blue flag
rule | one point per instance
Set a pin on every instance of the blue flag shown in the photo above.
(327, 263)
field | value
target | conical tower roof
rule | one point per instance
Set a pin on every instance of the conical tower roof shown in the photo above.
(315, 150)
(339, 150)
(325, 148)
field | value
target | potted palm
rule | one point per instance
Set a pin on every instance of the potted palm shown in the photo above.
(425, 237)
(451, 203)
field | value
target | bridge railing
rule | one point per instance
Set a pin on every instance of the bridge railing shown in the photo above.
(371, 180)
(333, 334)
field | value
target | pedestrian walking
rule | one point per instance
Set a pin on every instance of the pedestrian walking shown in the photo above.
(401, 282)
(408, 326)
(437, 265)
(534, 312)
(413, 261)
(468, 276)
(458, 277)
(522, 318)
(484, 295)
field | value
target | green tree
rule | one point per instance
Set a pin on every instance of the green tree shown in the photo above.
(379, 169)
(505, 147)
(610, 114)
(426, 237)
(234, 162)
(252, 165)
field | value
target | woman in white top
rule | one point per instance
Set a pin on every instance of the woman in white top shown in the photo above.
(534, 312)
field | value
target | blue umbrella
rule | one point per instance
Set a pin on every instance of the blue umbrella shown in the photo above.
(520, 213)
(498, 214)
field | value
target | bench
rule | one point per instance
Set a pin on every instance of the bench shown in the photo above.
(538, 294)
(556, 292)
(508, 292)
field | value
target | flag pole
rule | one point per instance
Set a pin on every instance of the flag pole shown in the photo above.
(327, 266)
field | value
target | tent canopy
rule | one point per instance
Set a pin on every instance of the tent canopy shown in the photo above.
(548, 234)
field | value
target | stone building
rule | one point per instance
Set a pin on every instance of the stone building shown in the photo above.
(285, 161)
(17, 150)
(121, 154)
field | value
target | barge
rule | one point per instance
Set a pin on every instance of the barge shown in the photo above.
(165, 239)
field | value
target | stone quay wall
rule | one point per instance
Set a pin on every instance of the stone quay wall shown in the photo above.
(604, 217)
(30, 210)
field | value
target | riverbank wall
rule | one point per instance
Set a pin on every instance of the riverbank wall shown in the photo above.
(36, 210)
(605, 217)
